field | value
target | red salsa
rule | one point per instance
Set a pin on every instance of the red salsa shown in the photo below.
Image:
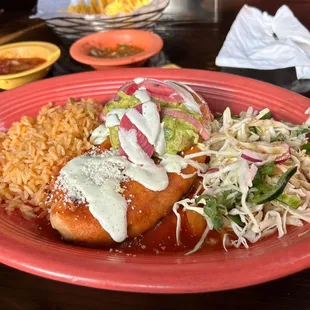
(16, 65)
(121, 50)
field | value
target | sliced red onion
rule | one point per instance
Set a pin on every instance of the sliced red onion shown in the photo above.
(168, 91)
(207, 116)
(187, 96)
(253, 157)
(129, 88)
(155, 88)
(126, 124)
(212, 170)
(285, 152)
(122, 152)
(102, 117)
(161, 90)
(285, 157)
(186, 117)
(198, 100)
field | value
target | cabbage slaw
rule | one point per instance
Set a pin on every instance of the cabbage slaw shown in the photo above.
(257, 181)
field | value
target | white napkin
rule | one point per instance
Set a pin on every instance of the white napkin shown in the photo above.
(257, 40)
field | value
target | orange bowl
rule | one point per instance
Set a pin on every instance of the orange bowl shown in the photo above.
(149, 42)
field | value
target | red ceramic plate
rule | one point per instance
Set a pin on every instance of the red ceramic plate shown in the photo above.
(24, 246)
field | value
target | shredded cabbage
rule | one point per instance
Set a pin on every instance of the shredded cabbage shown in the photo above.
(230, 178)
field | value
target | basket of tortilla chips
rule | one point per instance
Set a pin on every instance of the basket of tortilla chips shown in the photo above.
(73, 19)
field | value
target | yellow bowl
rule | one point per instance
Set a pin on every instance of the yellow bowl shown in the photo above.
(31, 49)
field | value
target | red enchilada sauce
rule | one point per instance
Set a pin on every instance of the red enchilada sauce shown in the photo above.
(162, 238)
(159, 240)
(16, 65)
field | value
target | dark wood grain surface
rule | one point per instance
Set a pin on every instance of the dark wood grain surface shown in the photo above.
(192, 44)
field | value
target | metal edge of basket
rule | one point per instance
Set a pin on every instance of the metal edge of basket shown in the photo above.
(75, 22)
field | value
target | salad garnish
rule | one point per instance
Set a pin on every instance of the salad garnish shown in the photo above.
(257, 179)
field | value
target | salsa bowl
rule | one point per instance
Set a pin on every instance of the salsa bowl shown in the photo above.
(32, 49)
(149, 42)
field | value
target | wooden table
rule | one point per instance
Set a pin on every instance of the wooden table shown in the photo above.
(192, 44)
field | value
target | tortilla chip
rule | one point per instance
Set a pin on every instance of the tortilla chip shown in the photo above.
(171, 66)
(107, 7)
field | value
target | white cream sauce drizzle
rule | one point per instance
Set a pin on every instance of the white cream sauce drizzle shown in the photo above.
(129, 143)
(149, 121)
(173, 163)
(176, 163)
(105, 202)
(152, 177)
(99, 135)
(112, 120)
(139, 80)
(142, 95)
(96, 180)
(114, 117)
